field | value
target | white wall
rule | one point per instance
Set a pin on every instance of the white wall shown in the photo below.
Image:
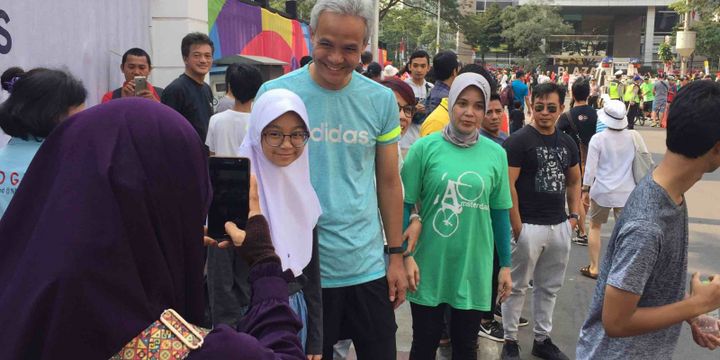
(87, 38)
(171, 21)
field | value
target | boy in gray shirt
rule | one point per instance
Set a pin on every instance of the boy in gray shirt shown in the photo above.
(640, 303)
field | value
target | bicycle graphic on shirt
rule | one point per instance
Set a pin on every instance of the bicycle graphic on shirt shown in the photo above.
(458, 193)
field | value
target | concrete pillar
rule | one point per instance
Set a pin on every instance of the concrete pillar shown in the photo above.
(649, 35)
(171, 21)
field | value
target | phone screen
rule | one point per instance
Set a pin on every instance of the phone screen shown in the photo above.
(230, 178)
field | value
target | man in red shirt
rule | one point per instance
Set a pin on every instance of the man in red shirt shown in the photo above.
(135, 62)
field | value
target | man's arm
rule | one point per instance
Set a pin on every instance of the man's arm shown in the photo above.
(622, 317)
(515, 220)
(573, 191)
(390, 201)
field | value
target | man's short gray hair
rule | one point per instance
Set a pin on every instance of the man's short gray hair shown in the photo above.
(360, 8)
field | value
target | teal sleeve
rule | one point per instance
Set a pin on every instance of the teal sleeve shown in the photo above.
(501, 234)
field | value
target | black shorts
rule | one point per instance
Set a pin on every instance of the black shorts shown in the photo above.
(647, 106)
(362, 313)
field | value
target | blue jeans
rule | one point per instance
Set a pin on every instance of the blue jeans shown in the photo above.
(299, 306)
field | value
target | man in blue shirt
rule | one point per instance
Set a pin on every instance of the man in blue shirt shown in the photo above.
(520, 90)
(354, 130)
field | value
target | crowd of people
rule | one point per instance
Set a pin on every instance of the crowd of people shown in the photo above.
(370, 187)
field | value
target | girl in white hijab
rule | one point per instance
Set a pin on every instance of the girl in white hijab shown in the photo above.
(275, 145)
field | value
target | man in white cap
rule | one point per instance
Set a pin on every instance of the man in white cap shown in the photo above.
(616, 88)
(608, 179)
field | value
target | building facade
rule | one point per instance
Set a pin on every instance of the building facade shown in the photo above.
(624, 30)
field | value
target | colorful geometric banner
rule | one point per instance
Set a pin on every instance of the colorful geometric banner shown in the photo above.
(240, 28)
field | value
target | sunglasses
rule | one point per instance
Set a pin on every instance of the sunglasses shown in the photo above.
(550, 108)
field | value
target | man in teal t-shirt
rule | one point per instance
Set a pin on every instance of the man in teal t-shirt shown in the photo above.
(354, 128)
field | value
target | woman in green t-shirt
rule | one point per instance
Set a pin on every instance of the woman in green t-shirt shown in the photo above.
(459, 181)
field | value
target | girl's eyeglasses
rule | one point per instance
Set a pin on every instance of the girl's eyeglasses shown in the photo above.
(274, 138)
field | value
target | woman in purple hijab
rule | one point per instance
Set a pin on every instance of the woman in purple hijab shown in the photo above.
(104, 234)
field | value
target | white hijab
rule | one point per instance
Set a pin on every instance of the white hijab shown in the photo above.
(287, 198)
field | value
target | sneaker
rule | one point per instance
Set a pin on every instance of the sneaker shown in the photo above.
(510, 351)
(498, 316)
(581, 240)
(547, 350)
(492, 330)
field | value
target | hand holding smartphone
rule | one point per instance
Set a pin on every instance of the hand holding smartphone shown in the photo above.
(230, 178)
(140, 84)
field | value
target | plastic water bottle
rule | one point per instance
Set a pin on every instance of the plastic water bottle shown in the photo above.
(710, 324)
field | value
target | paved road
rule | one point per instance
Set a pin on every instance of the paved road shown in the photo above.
(574, 298)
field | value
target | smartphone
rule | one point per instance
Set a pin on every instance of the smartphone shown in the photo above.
(140, 84)
(230, 178)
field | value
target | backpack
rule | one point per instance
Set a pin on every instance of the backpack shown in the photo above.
(507, 96)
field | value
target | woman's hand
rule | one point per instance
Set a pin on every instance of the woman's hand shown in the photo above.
(504, 285)
(210, 242)
(411, 235)
(586, 200)
(236, 234)
(413, 273)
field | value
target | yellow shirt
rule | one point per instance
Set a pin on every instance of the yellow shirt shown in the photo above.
(437, 119)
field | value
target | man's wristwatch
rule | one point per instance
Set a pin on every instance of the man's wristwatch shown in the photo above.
(574, 216)
(415, 216)
(394, 250)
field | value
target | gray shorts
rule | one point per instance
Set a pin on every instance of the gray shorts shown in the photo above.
(599, 214)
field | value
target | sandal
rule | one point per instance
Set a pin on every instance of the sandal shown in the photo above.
(585, 271)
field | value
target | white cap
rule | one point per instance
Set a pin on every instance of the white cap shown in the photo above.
(619, 72)
(613, 114)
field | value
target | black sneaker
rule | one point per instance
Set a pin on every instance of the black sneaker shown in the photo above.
(510, 351)
(581, 240)
(492, 330)
(547, 350)
(498, 316)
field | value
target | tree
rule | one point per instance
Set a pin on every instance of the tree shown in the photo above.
(527, 27)
(483, 31)
(304, 7)
(708, 39)
(665, 53)
(708, 29)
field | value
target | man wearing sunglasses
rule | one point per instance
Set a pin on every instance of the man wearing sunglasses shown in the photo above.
(543, 172)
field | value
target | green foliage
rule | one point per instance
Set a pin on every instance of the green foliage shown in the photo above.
(417, 30)
(483, 31)
(706, 8)
(665, 53)
(708, 39)
(525, 28)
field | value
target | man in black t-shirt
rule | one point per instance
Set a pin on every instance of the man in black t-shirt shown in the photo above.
(580, 123)
(543, 172)
(583, 117)
(189, 94)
